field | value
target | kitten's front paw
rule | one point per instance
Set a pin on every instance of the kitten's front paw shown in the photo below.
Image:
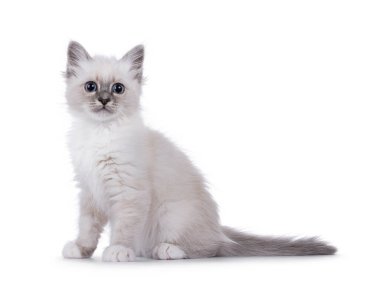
(118, 253)
(73, 250)
(168, 251)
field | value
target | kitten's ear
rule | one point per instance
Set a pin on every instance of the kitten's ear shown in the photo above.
(136, 58)
(75, 54)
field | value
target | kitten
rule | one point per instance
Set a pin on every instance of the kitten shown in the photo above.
(133, 177)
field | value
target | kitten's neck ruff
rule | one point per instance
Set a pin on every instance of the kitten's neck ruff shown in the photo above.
(134, 120)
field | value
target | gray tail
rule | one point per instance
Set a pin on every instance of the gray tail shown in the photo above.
(250, 245)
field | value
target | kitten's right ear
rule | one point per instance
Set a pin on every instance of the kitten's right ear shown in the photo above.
(75, 54)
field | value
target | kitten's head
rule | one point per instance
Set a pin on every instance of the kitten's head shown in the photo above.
(103, 88)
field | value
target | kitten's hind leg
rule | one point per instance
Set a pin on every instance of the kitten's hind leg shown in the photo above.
(168, 251)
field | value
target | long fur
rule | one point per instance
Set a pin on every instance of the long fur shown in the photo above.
(134, 178)
(253, 245)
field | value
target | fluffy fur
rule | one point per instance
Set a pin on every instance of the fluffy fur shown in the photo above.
(133, 177)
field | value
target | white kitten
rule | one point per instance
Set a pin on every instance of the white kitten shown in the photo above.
(137, 180)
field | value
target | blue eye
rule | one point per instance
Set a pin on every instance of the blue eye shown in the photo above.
(90, 86)
(118, 88)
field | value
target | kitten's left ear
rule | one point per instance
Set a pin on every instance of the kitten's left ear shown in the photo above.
(136, 58)
(75, 54)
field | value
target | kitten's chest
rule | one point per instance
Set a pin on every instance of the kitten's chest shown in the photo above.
(103, 163)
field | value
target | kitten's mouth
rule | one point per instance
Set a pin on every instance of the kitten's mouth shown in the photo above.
(102, 109)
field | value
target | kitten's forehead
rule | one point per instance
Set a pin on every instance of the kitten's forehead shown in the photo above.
(105, 69)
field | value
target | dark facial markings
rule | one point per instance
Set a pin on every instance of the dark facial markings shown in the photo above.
(112, 88)
(104, 98)
(107, 93)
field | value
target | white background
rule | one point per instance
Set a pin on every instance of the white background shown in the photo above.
(277, 102)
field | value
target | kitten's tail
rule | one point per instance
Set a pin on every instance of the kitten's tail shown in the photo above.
(250, 245)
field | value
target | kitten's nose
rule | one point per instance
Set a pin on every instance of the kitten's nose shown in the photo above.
(104, 101)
